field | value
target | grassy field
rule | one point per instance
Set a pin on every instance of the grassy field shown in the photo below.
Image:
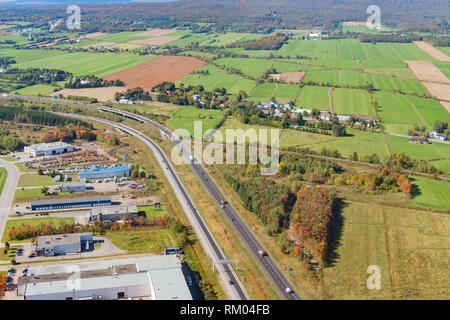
(313, 98)
(38, 89)
(78, 63)
(184, 118)
(11, 254)
(398, 113)
(409, 246)
(151, 240)
(21, 167)
(151, 211)
(32, 222)
(256, 67)
(3, 176)
(419, 151)
(32, 180)
(432, 193)
(352, 101)
(263, 92)
(8, 158)
(286, 92)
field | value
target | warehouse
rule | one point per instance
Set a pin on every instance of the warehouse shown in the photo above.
(73, 187)
(113, 213)
(62, 244)
(57, 204)
(156, 277)
(97, 172)
(48, 149)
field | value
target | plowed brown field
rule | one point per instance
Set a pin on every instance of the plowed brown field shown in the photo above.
(151, 73)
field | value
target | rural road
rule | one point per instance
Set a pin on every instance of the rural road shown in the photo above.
(7, 196)
(266, 263)
(226, 272)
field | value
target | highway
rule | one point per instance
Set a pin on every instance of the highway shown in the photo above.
(266, 263)
(235, 290)
(7, 196)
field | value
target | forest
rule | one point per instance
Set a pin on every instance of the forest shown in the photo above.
(19, 115)
(245, 16)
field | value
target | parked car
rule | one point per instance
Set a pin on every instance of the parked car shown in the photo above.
(12, 270)
(32, 255)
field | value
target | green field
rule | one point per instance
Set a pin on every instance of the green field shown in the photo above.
(263, 92)
(32, 222)
(10, 255)
(256, 67)
(286, 92)
(151, 211)
(184, 118)
(3, 176)
(352, 101)
(409, 246)
(150, 240)
(38, 89)
(398, 113)
(432, 193)
(419, 151)
(32, 180)
(78, 63)
(313, 98)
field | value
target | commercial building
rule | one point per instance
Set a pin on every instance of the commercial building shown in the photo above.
(113, 213)
(97, 172)
(73, 187)
(156, 277)
(57, 204)
(62, 244)
(48, 149)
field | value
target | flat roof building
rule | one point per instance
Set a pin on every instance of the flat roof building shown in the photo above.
(73, 203)
(97, 172)
(157, 277)
(62, 244)
(73, 187)
(48, 149)
(113, 213)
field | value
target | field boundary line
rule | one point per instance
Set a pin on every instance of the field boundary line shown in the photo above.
(416, 111)
(330, 99)
(274, 91)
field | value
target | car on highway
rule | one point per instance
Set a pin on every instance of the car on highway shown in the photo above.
(231, 282)
(288, 290)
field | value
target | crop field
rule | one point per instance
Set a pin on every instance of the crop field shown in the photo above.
(394, 83)
(352, 101)
(256, 67)
(432, 193)
(41, 89)
(184, 118)
(313, 98)
(81, 63)
(286, 92)
(419, 151)
(364, 143)
(443, 165)
(391, 106)
(263, 91)
(151, 73)
(409, 246)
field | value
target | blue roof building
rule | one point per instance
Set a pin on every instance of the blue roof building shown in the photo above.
(97, 172)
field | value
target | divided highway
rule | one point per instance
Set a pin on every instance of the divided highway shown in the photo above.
(268, 266)
(232, 284)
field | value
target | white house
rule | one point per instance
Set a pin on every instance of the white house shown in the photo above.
(47, 149)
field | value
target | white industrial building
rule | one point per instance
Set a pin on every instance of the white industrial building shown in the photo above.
(112, 213)
(48, 149)
(156, 278)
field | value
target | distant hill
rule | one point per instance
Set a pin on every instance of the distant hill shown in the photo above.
(248, 15)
